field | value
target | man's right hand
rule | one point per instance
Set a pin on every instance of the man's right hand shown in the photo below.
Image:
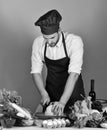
(45, 99)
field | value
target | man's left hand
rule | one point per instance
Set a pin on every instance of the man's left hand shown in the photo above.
(58, 108)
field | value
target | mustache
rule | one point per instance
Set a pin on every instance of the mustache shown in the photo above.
(52, 44)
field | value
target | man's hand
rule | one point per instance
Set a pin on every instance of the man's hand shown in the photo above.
(58, 108)
(45, 99)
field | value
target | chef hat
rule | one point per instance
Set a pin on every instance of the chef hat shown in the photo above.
(49, 22)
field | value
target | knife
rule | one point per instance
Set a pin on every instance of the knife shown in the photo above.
(45, 106)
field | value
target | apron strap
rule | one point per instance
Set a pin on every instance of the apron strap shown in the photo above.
(63, 40)
(45, 50)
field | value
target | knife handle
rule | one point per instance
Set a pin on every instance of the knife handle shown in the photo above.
(45, 106)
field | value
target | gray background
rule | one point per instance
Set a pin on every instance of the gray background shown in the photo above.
(87, 18)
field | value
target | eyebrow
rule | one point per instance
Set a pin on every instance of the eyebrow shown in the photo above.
(49, 38)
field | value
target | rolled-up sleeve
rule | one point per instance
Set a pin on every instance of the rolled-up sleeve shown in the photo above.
(76, 55)
(36, 58)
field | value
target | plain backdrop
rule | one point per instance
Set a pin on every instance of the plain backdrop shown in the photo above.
(86, 18)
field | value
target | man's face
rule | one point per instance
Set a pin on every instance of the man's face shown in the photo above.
(51, 39)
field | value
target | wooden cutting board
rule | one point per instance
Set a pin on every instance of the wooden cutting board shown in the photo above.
(43, 116)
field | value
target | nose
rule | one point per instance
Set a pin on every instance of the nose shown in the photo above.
(49, 41)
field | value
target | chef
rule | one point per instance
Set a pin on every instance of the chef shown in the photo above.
(62, 53)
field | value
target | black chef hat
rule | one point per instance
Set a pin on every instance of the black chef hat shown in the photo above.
(49, 22)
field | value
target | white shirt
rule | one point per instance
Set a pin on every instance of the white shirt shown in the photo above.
(74, 46)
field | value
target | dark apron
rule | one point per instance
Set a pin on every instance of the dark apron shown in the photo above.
(57, 75)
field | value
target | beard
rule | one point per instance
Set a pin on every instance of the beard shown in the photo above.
(53, 44)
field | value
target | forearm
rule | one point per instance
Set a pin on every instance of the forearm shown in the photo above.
(69, 87)
(39, 83)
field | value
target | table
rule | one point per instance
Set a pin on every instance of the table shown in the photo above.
(38, 128)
